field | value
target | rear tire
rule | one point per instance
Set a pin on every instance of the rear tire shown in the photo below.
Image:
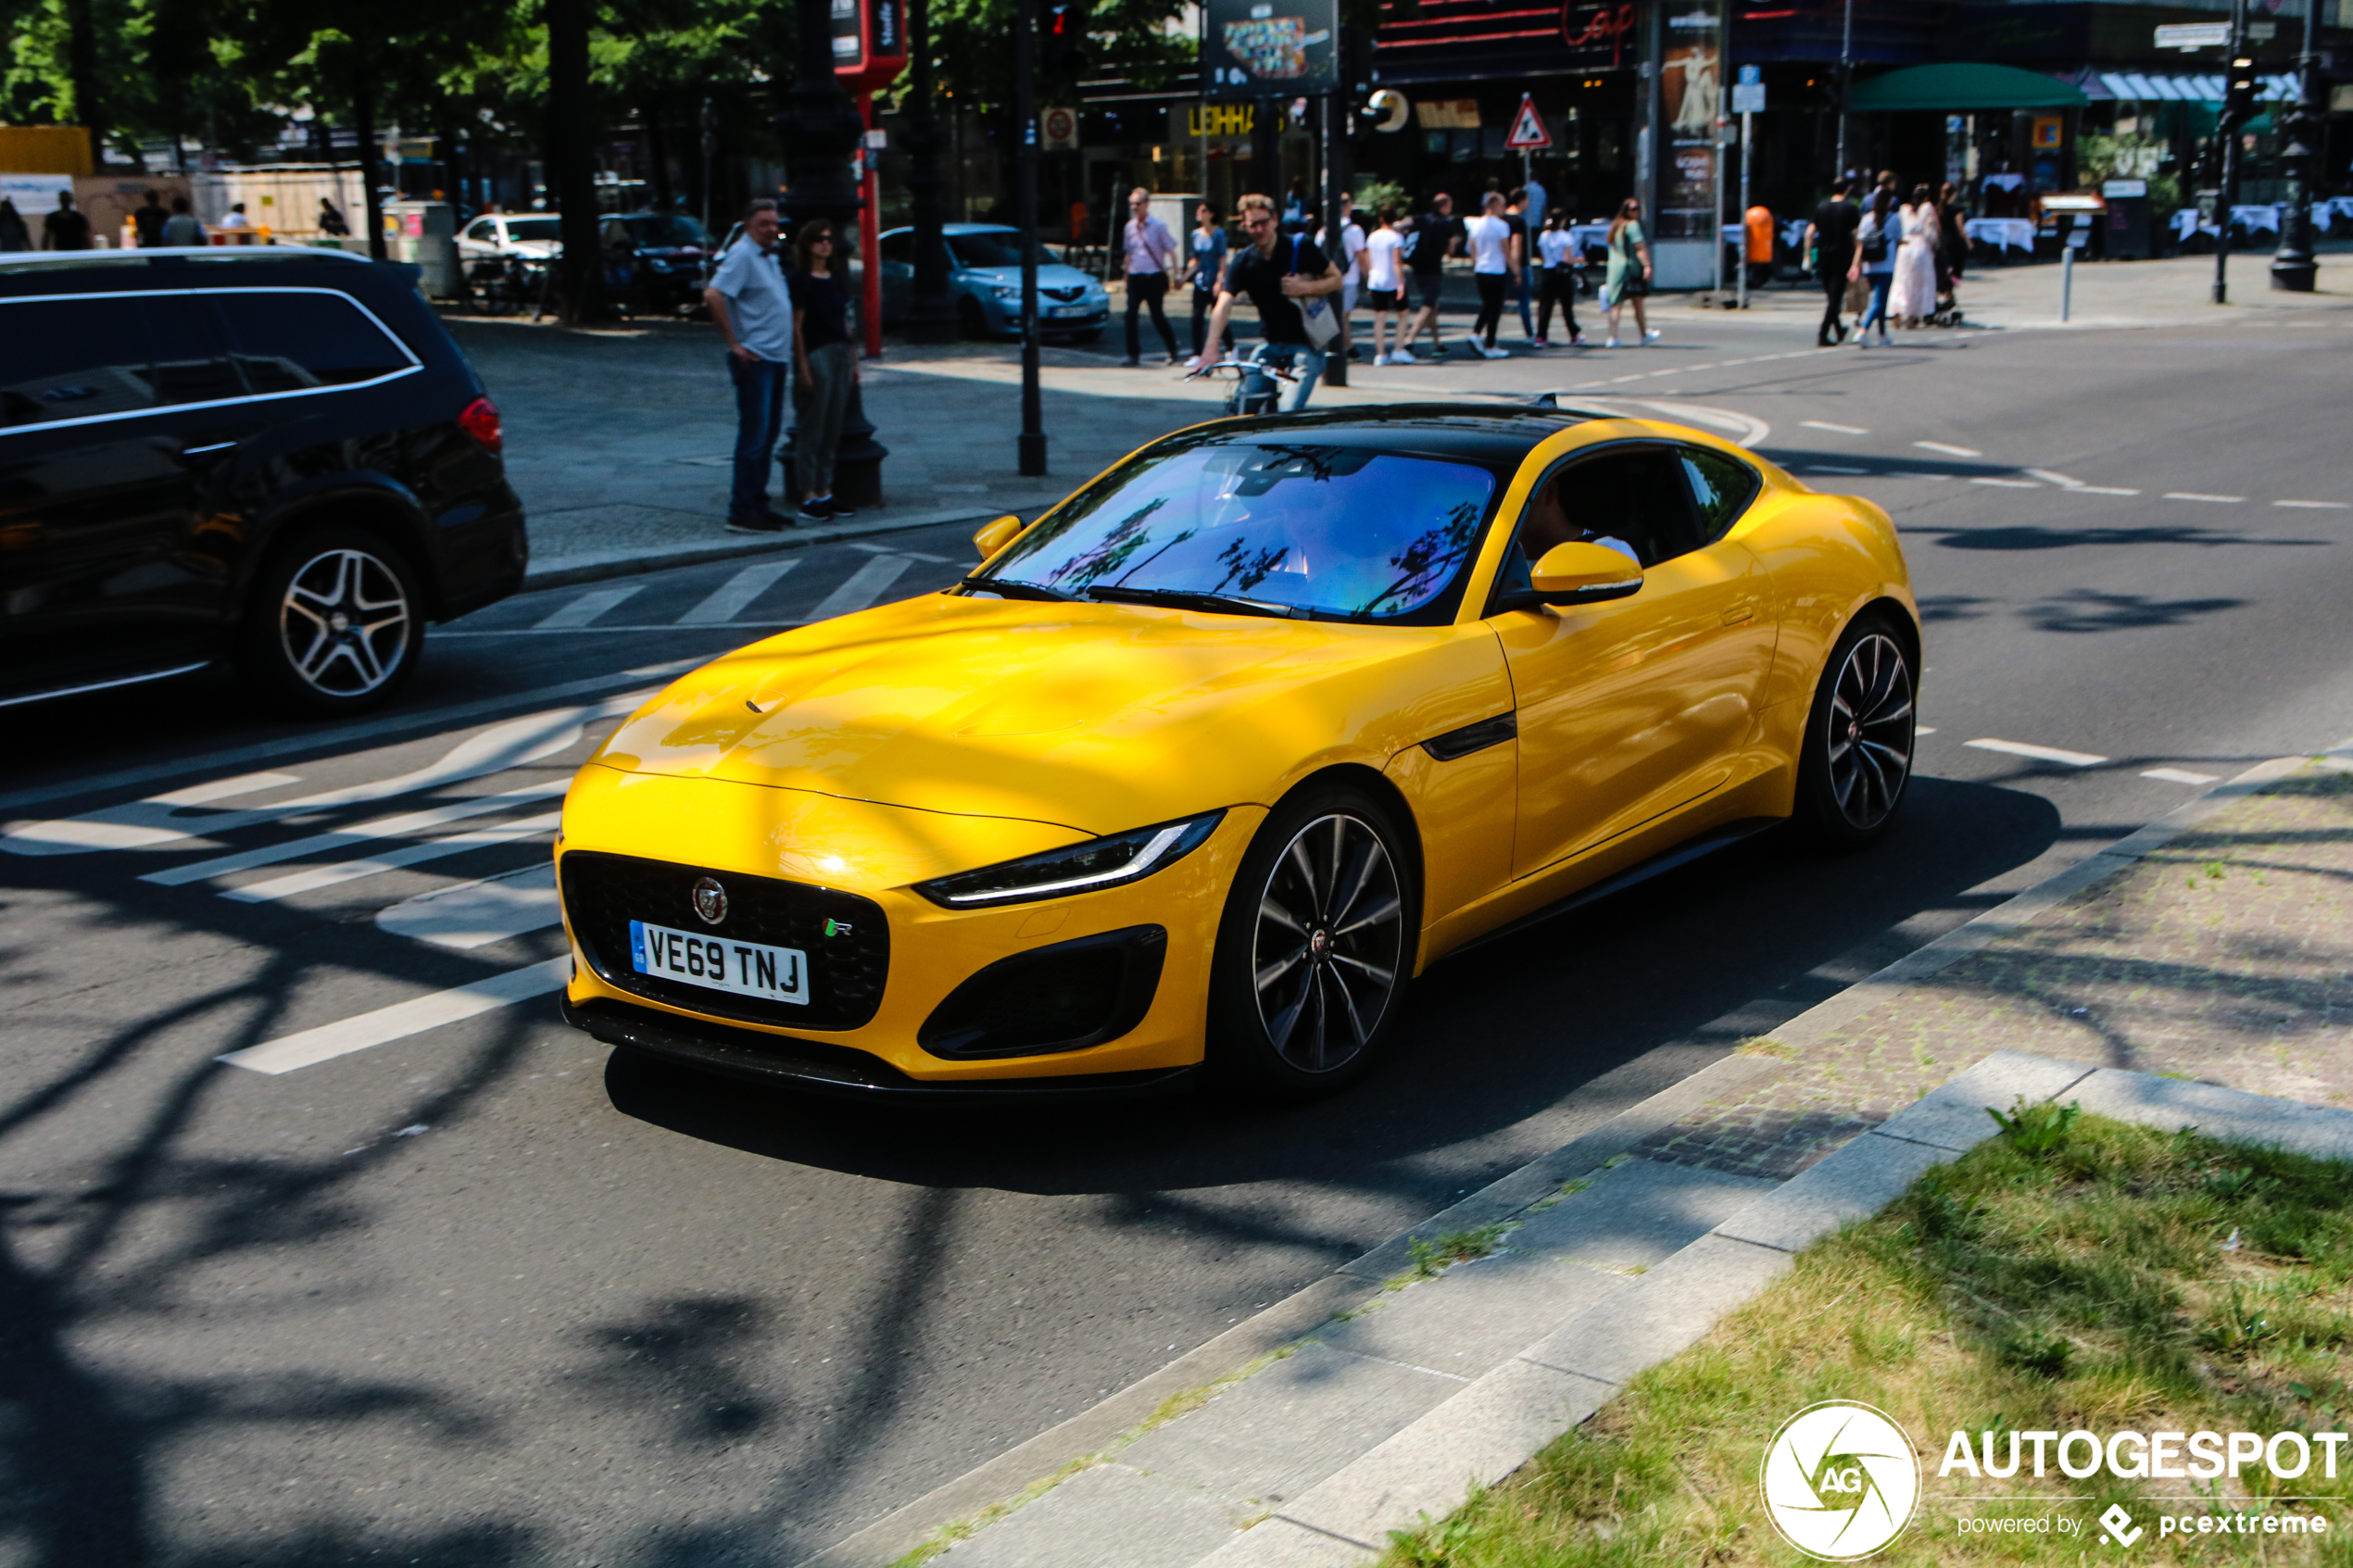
(1316, 948)
(334, 624)
(1855, 764)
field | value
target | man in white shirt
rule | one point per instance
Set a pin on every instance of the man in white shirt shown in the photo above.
(752, 308)
(1495, 265)
(1384, 267)
(1353, 242)
(1152, 256)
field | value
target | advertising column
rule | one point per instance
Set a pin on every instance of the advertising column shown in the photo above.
(1684, 237)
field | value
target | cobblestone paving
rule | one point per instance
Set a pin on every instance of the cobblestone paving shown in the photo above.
(2225, 957)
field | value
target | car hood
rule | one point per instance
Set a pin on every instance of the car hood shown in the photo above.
(1096, 717)
(1052, 275)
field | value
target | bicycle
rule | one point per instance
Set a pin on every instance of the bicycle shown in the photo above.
(1255, 375)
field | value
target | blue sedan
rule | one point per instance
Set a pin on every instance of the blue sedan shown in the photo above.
(984, 276)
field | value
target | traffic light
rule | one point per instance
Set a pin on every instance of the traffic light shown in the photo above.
(1062, 43)
(2238, 93)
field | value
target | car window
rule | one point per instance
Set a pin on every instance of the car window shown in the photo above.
(1636, 498)
(482, 229)
(535, 229)
(1348, 531)
(659, 229)
(290, 341)
(73, 358)
(1722, 489)
(191, 362)
(900, 248)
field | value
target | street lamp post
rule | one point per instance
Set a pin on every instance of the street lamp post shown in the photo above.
(931, 312)
(1846, 81)
(1033, 433)
(2293, 267)
(2226, 127)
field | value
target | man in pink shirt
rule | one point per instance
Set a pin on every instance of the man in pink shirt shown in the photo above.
(1151, 258)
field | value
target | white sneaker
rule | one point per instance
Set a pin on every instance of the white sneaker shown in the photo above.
(1613, 343)
(1488, 351)
(1653, 335)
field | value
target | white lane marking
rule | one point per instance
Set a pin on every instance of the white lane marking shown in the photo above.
(407, 825)
(589, 606)
(2009, 483)
(2105, 490)
(325, 739)
(732, 597)
(1698, 368)
(401, 1019)
(2062, 481)
(1637, 376)
(2329, 506)
(601, 629)
(1948, 451)
(865, 585)
(911, 555)
(1825, 424)
(312, 878)
(145, 824)
(1728, 364)
(1826, 467)
(2178, 775)
(474, 914)
(1912, 474)
(2194, 495)
(2039, 753)
(1923, 729)
(226, 789)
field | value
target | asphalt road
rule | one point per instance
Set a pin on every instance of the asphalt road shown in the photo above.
(479, 1295)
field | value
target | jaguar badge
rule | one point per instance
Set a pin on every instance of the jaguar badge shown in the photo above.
(711, 901)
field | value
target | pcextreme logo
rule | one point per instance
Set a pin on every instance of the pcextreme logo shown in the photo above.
(1841, 1480)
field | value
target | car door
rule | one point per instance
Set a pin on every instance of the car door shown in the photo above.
(109, 564)
(1631, 708)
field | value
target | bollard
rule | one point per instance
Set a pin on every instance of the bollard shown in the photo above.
(2067, 278)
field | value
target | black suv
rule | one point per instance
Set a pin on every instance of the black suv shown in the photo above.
(272, 456)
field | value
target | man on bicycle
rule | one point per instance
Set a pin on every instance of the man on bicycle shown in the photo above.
(1276, 272)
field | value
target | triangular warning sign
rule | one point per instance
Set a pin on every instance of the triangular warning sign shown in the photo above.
(1528, 134)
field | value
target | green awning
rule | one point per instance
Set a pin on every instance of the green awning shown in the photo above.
(1958, 89)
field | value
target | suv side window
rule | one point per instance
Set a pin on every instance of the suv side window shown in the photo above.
(288, 340)
(73, 358)
(191, 364)
(1722, 488)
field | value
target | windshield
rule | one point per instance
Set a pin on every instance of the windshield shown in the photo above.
(666, 229)
(994, 248)
(535, 229)
(1342, 531)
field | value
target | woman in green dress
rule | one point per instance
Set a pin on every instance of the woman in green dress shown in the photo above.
(1628, 278)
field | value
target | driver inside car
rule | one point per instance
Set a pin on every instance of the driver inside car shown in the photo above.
(1548, 525)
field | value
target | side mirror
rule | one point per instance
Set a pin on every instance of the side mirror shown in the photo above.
(1583, 573)
(996, 536)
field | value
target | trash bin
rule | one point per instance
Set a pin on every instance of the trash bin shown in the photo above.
(2132, 229)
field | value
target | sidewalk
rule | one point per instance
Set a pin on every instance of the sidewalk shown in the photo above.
(2201, 969)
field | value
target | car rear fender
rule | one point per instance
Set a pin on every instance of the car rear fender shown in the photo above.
(373, 501)
(1830, 556)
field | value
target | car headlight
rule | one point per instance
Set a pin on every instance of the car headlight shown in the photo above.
(1005, 290)
(1082, 868)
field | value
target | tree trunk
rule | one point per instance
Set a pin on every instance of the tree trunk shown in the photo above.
(82, 65)
(570, 152)
(363, 112)
(658, 156)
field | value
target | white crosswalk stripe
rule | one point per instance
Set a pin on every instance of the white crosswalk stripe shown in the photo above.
(732, 597)
(406, 825)
(311, 1047)
(866, 584)
(335, 874)
(474, 914)
(2039, 753)
(589, 606)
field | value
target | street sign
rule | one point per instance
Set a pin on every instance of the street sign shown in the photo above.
(1748, 97)
(2194, 35)
(1528, 134)
(1061, 127)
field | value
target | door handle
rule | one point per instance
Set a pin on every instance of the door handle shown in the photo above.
(1740, 615)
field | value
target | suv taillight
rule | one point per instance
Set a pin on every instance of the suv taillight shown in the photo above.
(481, 421)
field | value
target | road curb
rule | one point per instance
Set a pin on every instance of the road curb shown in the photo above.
(558, 574)
(1008, 1475)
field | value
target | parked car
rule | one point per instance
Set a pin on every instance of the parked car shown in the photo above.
(1195, 772)
(984, 274)
(654, 261)
(535, 236)
(270, 456)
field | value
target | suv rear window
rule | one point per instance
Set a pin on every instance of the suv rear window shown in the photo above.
(74, 359)
(288, 340)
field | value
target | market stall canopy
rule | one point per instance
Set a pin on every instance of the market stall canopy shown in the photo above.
(1956, 89)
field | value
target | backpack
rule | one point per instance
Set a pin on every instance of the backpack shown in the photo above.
(1874, 242)
(1314, 311)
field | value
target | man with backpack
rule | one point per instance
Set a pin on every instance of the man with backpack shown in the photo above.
(1288, 279)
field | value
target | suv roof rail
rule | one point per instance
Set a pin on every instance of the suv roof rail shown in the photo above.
(35, 261)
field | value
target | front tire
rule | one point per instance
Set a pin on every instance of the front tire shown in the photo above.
(1856, 762)
(334, 624)
(1316, 948)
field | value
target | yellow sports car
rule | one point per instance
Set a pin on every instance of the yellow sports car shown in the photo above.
(1196, 772)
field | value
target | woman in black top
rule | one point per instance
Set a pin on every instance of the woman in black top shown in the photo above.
(824, 367)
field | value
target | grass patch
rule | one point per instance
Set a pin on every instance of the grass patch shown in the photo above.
(2069, 1274)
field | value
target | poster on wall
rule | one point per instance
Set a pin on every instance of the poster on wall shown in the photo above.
(1690, 81)
(1269, 48)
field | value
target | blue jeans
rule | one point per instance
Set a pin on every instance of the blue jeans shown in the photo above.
(1309, 365)
(1876, 311)
(760, 418)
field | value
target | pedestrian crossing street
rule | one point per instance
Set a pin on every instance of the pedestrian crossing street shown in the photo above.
(452, 857)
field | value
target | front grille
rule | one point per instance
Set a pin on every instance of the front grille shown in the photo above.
(1064, 295)
(603, 893)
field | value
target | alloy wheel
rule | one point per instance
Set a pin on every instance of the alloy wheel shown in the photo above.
(1871, 731)
(1328, 953)
(344, 624)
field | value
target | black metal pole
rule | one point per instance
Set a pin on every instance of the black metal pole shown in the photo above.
(1846, 82)
(2294, 268)
(2228, 130)
(1033, 433)
(820, 126)
(1335, 241)
(931, 315)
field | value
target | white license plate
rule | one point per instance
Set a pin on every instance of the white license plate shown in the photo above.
(747, 968)
(1066, 310)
